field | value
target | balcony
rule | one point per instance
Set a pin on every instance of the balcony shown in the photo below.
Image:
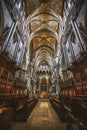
(79, 64)
(20, 84)
(68, 84)
(7, 60)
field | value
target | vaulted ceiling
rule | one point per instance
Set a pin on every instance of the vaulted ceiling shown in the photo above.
(44, 18)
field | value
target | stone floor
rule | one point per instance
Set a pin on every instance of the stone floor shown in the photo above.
(43, 117)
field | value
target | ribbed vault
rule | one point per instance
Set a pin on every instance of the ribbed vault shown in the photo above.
(44, 19)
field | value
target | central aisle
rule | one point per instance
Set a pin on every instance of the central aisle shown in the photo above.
(43, 117)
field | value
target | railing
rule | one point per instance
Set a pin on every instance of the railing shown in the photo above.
(73, 113)
(25, 110)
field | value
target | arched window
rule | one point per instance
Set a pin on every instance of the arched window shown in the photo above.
(86, 19)
(73, 39)
(15, 38)
(1, 19)
(65, 5)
